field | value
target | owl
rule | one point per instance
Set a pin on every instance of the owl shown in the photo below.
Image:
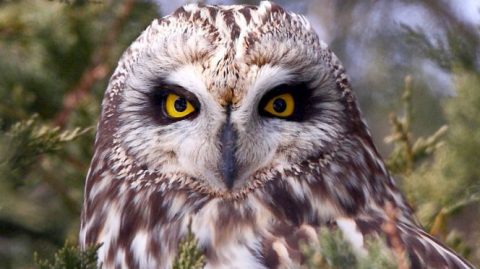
(238, 123)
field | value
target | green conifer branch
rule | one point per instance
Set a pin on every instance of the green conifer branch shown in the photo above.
(70, 257)
(189, 254)
(408, 152)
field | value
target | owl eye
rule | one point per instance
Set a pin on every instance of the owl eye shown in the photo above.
(291, 102)
(282, 105)
(177, 107)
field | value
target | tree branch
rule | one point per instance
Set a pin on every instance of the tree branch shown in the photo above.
(98, 67)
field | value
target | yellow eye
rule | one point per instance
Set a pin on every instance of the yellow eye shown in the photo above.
(178, 107)
(282, 105)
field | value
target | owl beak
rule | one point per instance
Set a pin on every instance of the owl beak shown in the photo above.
(228, 164)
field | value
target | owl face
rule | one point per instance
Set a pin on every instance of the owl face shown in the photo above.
(222, 102)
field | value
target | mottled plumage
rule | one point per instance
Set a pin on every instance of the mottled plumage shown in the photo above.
(251, 184)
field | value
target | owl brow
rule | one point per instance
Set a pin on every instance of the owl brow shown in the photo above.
(300, 89)
(163, 88)
(301, 93)
(156, 98)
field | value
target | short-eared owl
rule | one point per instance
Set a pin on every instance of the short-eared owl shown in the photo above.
(240, 121)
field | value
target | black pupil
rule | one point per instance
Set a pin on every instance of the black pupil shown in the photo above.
(279, 105)
(180, 104)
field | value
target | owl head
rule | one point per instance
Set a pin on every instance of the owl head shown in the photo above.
(220, 99)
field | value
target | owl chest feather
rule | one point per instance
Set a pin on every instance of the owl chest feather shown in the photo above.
(257, 232)
(140, 217)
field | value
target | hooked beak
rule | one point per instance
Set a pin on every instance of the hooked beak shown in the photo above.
(228, 139)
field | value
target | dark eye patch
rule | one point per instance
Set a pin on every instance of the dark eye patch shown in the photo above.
(301, 94)
(156, 102)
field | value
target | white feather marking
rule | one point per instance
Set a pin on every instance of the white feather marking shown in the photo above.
(297, 188)
(98, 188)
(110, 231)
(202, 225)
(120, 259)
(139, 248)
(323, 45)
(177, 205)
(235, 256)
(352, 234)
(444, 252)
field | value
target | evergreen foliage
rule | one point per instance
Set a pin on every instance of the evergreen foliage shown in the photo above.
(334, 252)
(189, 255)
(450, 183)
(26, 140)
(71, 257)
(55, 59)
(446, 188)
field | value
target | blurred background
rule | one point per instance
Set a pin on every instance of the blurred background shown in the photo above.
(415, 66)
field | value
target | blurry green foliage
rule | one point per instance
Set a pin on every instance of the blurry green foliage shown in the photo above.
(407, 152)
(450, 183)
(25, 141)
(189, 254)
(70, 257)
(47, 49)
(445, 190)
(334, 252)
